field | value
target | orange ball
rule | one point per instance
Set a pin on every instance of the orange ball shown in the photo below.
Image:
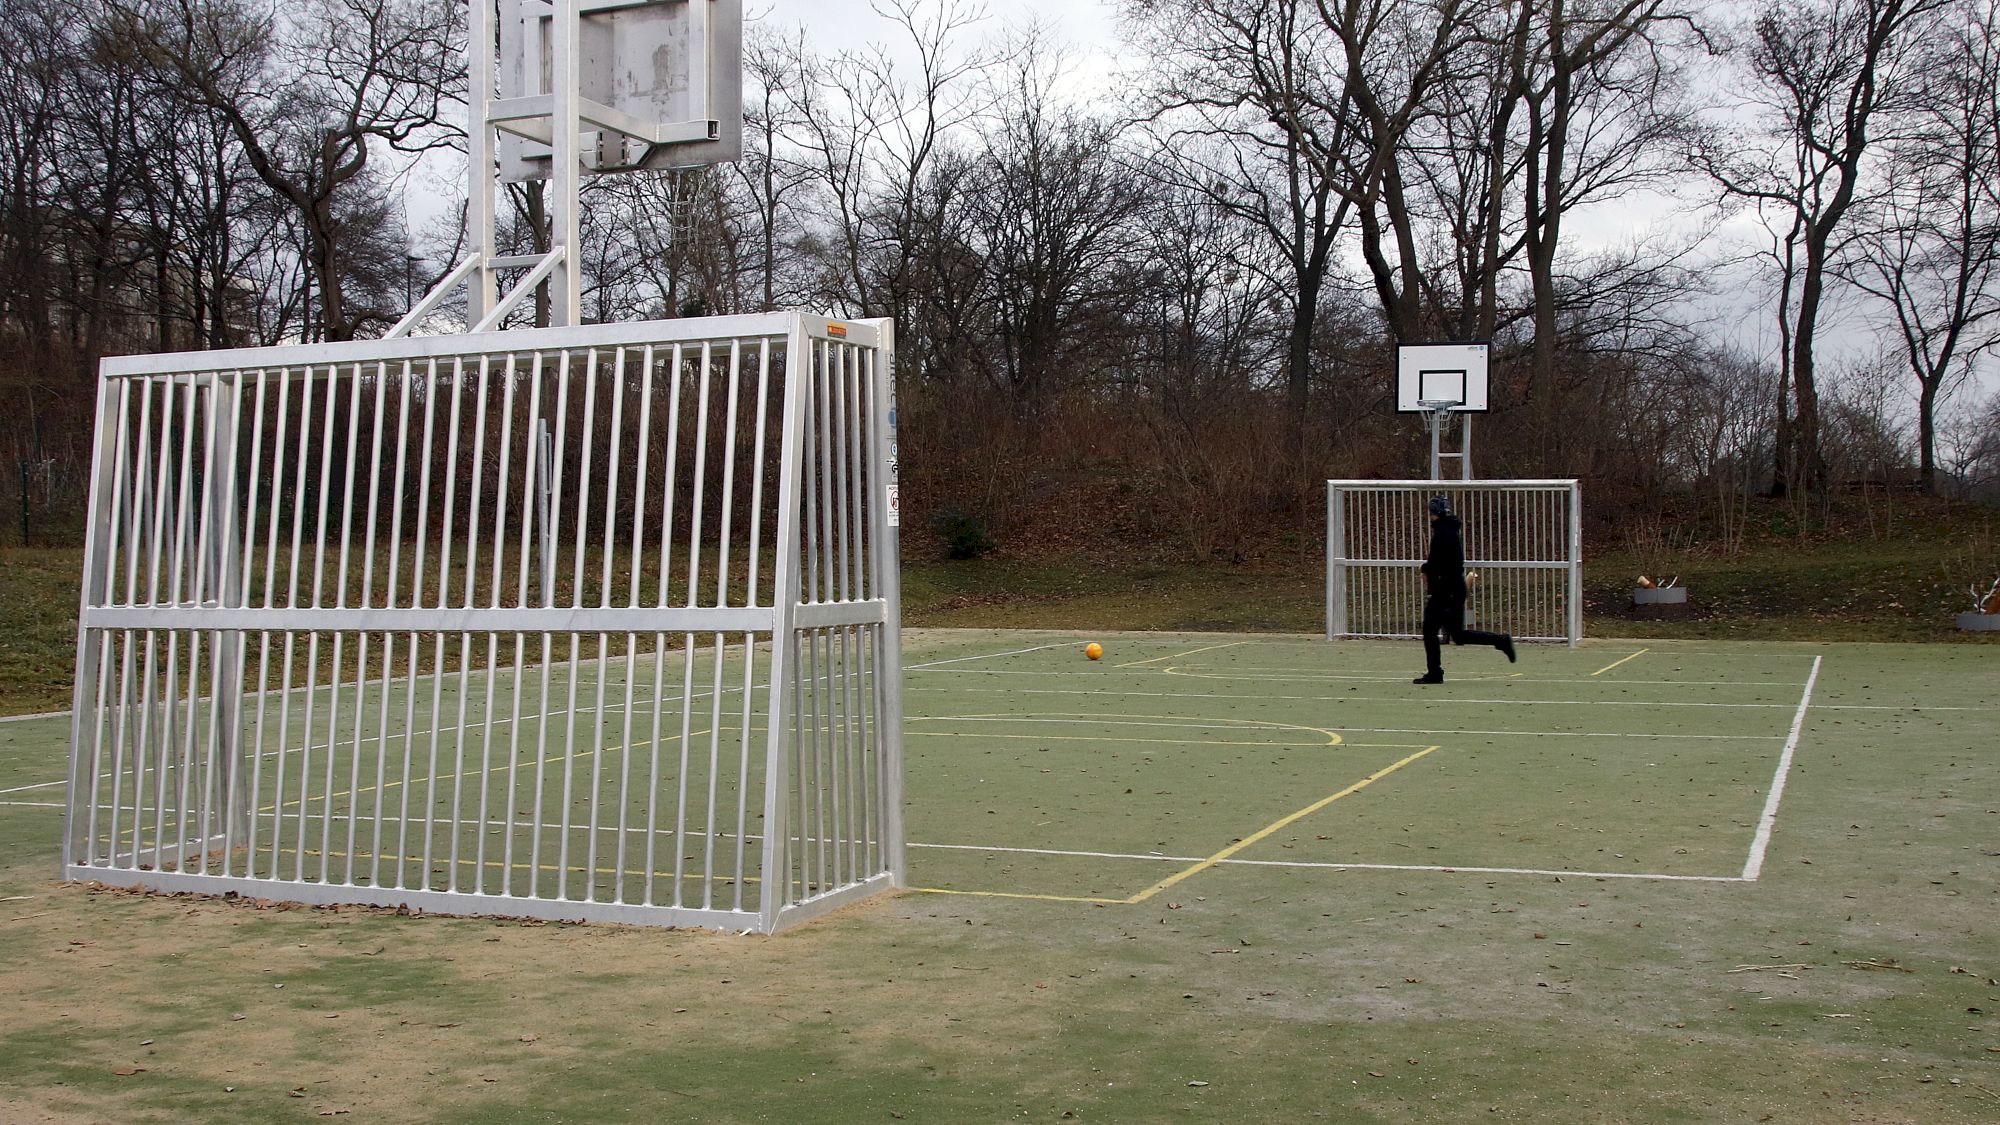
(1093, 650)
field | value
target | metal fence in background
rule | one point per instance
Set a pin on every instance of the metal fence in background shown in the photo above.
(1523, 555)
(594, 623)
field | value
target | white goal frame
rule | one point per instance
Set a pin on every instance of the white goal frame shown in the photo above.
(297, 556)
(1523, 538)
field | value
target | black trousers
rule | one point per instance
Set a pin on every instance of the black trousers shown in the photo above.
(1444, 616)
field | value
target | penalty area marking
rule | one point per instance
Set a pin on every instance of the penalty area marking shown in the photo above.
(1178, 655)
(1223, 856)
(985, 656)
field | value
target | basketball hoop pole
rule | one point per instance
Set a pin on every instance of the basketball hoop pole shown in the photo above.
(1438, 413)
(562, 89)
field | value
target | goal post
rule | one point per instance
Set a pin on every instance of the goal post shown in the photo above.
(1523, 554)
(594, 623)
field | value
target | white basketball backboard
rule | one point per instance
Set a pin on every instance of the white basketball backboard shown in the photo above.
(1432, 373)
(661, 83)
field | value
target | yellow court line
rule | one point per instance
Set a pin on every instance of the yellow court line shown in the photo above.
(1247, 841)
(1177, 655)
(1616, 663)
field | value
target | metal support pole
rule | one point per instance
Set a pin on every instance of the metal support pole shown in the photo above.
(565, 163)
(886, 535)
(225, 583)
(481, 173)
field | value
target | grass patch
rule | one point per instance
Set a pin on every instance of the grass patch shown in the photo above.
(38, 600)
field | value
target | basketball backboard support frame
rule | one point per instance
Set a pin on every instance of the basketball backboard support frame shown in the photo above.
(1440, 381)
(563, 89)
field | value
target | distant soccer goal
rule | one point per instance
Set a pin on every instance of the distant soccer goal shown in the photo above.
(1523, 556)
(588, 623)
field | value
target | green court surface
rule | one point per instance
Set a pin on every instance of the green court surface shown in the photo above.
(1208, 877)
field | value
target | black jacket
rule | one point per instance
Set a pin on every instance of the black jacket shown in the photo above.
(1445, 568)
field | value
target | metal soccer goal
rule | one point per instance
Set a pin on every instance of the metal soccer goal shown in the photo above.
(590, 623)
(1523, 542)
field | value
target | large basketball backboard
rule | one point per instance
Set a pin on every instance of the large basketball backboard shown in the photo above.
(1434, 373)
(661, 85)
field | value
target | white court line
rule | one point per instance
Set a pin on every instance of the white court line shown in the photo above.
(1308, 865)
(32, 804)
(1755, 865)
(1337, 699)
(1246, 725)
(1178, 655)
(985, 656)
(36, 785)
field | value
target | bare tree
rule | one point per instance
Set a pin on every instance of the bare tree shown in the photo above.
(1932, 253)
(308, 93)
(871, 132)
(1246, 99)
(1827, 72)
(1054, 210)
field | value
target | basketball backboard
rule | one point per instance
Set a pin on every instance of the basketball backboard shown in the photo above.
(661, 85)
(1432, 373)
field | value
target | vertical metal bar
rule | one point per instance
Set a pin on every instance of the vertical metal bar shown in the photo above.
(106, 512)
(640, 467)
(509, 375)
(534, 514)
(396, 499)
(576, 600)
(138, 506)
(1575, 563)
(107, 444)
(426, 454)
(885, 543)
(202, 771)
(669, 491)
(851, 545)
(604, 639)
(373, 513)
(750, 598)
(474, 492)
(349, 455)
(256, 762)
(809, 465)
(312, 636)
(777, 775)
(554, 526)
(304, 444)
(439, 664)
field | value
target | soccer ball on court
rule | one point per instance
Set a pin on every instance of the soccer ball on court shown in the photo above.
(1093, 650)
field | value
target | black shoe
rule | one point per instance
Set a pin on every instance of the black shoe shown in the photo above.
(1429, 678)
(1506, 645)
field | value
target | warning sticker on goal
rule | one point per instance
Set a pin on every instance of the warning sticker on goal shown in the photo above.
(894, 512)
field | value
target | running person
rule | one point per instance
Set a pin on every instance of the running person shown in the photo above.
(1444, 600)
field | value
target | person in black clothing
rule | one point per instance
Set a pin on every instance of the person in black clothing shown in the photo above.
(1444, 602)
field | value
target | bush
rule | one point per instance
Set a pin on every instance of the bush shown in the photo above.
(965, 536)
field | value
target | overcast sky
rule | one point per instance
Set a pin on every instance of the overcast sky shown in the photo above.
(832, 24)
